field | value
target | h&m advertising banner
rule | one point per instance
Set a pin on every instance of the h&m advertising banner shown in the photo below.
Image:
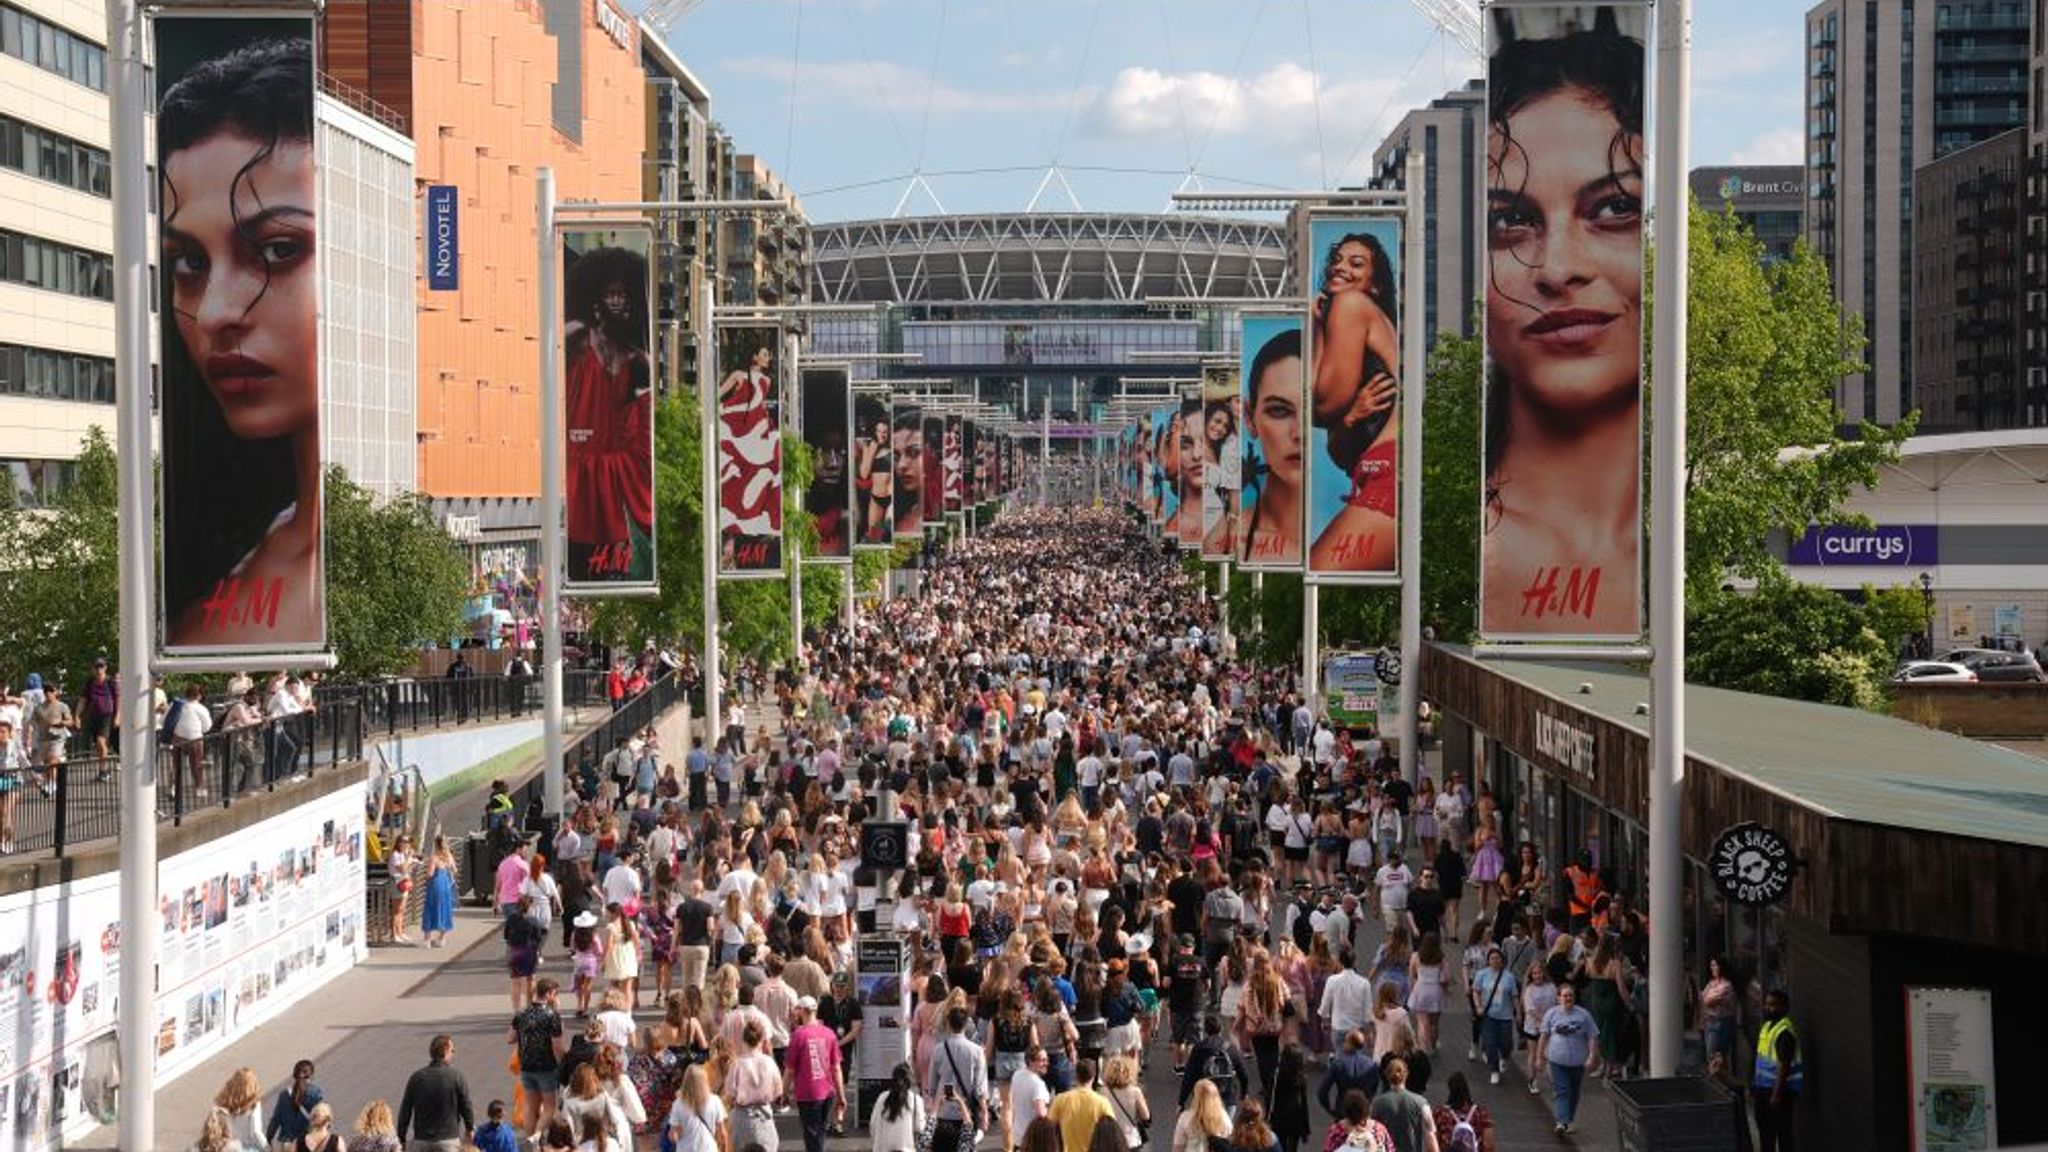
(244, 553)
(1354, 349)
(934, 468)
(1270, 507)
(878, 490)
(1223, 448)
(1193, 450)
(608, 408)
(952, 460)
(826, 422)
(749, 452)
(1560, 545)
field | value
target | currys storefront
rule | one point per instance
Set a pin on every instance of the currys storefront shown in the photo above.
(1958, 518)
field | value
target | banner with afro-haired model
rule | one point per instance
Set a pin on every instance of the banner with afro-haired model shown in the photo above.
(608, 409)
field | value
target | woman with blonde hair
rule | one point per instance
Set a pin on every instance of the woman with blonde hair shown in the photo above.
(1203, 1126)
(376, 1131)
(1388, 1020)
(241, 1099)
(1126, 1099)
(320, 1134)
(696, 1121)
(1261, 1016)
(733, 923)
(214, 1135)
(586, 1096)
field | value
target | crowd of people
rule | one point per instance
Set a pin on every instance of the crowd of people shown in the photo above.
(1124, 849)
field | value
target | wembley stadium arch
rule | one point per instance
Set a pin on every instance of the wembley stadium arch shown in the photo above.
(1019, 308)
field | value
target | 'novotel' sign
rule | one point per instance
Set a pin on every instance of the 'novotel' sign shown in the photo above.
(1884, 546)
(444, 259)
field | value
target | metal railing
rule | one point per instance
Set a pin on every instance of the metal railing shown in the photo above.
(79, 801)
(625, 722)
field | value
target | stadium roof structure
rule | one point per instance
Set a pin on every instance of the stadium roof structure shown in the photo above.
(1047, 259)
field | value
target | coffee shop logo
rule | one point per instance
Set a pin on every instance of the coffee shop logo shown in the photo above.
(1752, 865)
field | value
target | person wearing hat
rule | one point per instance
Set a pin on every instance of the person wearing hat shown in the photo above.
(841, 1011)
(813, 1074)
(1186, 980)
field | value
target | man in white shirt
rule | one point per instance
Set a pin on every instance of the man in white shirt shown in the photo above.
(622, 881)
(1347, 999)
(1029, 1097)
(1392, 882)
(741, 879)
(1089, 769)
(188, 734)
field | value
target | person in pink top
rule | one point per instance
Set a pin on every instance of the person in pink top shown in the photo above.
(513, 873)
(811, 1073)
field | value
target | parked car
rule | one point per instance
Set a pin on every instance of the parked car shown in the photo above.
(1933, 672)
(1995, 666)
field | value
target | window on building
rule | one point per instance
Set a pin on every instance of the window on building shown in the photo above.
(35, 40)
(40, 263)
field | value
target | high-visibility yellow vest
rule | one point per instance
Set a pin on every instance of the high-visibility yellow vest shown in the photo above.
(1767, 1069)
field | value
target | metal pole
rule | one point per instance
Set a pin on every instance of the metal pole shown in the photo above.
(1044, 446)
(1259, 598)
(707, 369)
(1413, 384)
(552, 562)
(792, 402)
(1311, 640)
(1223, 603)
(1667, 535)
(136, 478)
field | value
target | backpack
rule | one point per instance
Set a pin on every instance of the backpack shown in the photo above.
(1218, 1070)
(169, 730)
(1464, 1137)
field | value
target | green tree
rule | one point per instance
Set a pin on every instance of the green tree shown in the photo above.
(1450, 488)
(1785, 638)
(395, 581)
(60, 577)
(1766, 349)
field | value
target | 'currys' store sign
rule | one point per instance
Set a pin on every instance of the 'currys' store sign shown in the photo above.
(1884, 546)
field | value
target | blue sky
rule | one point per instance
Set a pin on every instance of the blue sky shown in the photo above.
(842, 96)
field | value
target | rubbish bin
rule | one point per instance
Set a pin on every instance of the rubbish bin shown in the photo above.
(1674, 1114)
(479, 869)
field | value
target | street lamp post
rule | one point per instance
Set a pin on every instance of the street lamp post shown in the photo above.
(1927, 610)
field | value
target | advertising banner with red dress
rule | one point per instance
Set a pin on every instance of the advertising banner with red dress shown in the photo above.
(749, 452)
(608, 409)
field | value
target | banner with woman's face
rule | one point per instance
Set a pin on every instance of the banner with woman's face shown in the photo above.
(244, 552)
(1354, 396)
(749, 451)
(934, 469)
(1166, 466)
(878, 490)
(1223, 445)
(608, 408)
(826, 421)
(906, 456)
(1270, 508)
(1561, 526)
(1193, 452)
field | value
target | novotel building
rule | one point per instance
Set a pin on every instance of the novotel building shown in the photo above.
(1965, 512)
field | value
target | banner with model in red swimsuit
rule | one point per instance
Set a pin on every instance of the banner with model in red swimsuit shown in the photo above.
(749, 452)
(1561, 523)
(1352, 447)
(608, 409)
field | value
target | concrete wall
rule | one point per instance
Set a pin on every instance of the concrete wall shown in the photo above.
(1975, 709)
(455, 760)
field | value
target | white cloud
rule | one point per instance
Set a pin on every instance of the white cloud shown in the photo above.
(881, 84)
(1777, 146)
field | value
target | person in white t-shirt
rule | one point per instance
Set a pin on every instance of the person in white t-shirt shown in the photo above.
(1029, 1096)
(1392, 882)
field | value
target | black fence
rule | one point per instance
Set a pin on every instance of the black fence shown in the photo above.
(79, 801)
(628, 720)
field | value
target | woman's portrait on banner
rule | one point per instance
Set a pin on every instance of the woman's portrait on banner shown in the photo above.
(1560, 547)
(238, 224)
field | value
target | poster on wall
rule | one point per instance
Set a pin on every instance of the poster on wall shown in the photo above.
(1352, 451)
(1952, 1086)
(951, 461)
(1269, 496)
(934, 468)
(1962, 624)
(749, 452)
(2005, 621)
(243, 548)
(608, 408)
(878, 493)
(1222, 436)
(229, 911)
(1192, 444)
(1351, 690)
(827, 422)
(906, 456)
(1560, 544)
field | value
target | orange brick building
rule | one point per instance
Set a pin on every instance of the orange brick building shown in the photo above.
(492, 91)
